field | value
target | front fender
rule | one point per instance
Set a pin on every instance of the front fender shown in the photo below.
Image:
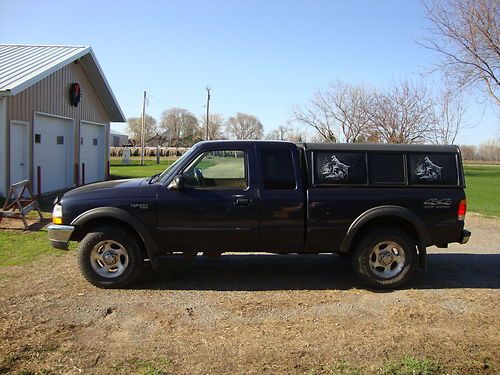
(121, 215)
(391, 212)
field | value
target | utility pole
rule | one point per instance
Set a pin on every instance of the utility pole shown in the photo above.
(208, 88)
(143, 127)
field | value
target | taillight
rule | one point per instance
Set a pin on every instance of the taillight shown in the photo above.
(462, 209)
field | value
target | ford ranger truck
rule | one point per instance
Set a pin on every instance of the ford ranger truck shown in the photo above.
(380, 205)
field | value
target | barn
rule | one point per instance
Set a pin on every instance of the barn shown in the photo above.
(55, 112)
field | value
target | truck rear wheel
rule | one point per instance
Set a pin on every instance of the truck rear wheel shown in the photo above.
(110, 257)
(386, 258)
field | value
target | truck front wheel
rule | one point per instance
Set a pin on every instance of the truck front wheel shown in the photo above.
(110, 257)
(385, 259)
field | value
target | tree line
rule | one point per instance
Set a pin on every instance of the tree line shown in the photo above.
(486, 151)
(178, 127)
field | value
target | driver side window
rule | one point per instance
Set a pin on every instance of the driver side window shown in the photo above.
(221, 169)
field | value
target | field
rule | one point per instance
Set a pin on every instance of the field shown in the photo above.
(254, 313)
(134, 169)
(483, 188)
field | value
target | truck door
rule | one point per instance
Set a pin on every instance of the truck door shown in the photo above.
(282, 198)
(218, 207)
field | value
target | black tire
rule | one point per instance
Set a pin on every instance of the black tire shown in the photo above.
(113, 240)
(385, 258)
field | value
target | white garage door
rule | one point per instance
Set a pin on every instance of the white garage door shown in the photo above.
(92, 151)
(53, 152)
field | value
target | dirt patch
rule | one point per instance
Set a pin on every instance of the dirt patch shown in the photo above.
(255, 314)
(17, 224)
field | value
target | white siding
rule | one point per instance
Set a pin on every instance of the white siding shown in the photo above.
(3, 146)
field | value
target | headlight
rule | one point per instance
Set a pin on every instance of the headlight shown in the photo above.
(57, 214)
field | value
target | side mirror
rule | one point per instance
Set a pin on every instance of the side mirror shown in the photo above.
(177, 183)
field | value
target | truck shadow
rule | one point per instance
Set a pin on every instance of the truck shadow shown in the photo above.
(313, 272)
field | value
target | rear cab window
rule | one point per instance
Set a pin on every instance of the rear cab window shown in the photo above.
(277, 169)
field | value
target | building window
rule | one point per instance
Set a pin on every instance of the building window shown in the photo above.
(38, 138)
(81, 141)
(94, 141)
(60, 140)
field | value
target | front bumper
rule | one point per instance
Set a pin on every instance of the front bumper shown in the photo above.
(59, 235)
(464, 237)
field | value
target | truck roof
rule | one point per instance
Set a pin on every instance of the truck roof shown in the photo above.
(355, 146)
(378, 147)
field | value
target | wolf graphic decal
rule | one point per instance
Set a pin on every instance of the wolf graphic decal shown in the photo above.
(333, 169)
(428, 171)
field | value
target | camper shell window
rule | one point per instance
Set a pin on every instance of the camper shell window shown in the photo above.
(340, 168)
(386, 168)
(355, 168)
(433, 169)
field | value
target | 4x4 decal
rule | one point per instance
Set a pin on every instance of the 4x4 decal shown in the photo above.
(334, 169)
(438, 203)
(428, 171)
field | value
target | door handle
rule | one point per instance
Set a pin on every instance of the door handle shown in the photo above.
(242, 202)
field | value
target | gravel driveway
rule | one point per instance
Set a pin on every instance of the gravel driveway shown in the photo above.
(255, 314)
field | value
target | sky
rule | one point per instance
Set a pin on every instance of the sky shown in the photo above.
(259, 57)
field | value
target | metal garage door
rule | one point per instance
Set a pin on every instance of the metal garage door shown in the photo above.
(92, 151)
(53, 152)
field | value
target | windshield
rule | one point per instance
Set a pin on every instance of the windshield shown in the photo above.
(167, 172)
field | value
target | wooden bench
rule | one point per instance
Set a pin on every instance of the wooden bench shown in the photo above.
(19, 202)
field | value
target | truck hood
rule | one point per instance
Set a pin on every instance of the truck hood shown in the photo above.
(137, 187)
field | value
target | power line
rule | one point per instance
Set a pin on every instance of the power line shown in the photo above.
(169, 106)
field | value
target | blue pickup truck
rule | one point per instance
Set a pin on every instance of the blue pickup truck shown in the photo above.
(380, 205)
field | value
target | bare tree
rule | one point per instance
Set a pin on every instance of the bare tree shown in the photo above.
(466, 35)
(404, 114)
(215, 125)
(285, 133)
(450, 117)
(339, 113)
(181, 126)
(469, 152)
(489, 150)
(134, 126)
(244, 126)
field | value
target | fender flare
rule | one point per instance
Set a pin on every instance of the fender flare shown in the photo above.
(390, 211)
(122, 215)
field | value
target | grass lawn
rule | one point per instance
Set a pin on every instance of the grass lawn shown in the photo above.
(483, 189)
(118, 170)
(19, 247)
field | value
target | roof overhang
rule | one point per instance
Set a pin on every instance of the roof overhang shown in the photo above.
(90, 65)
